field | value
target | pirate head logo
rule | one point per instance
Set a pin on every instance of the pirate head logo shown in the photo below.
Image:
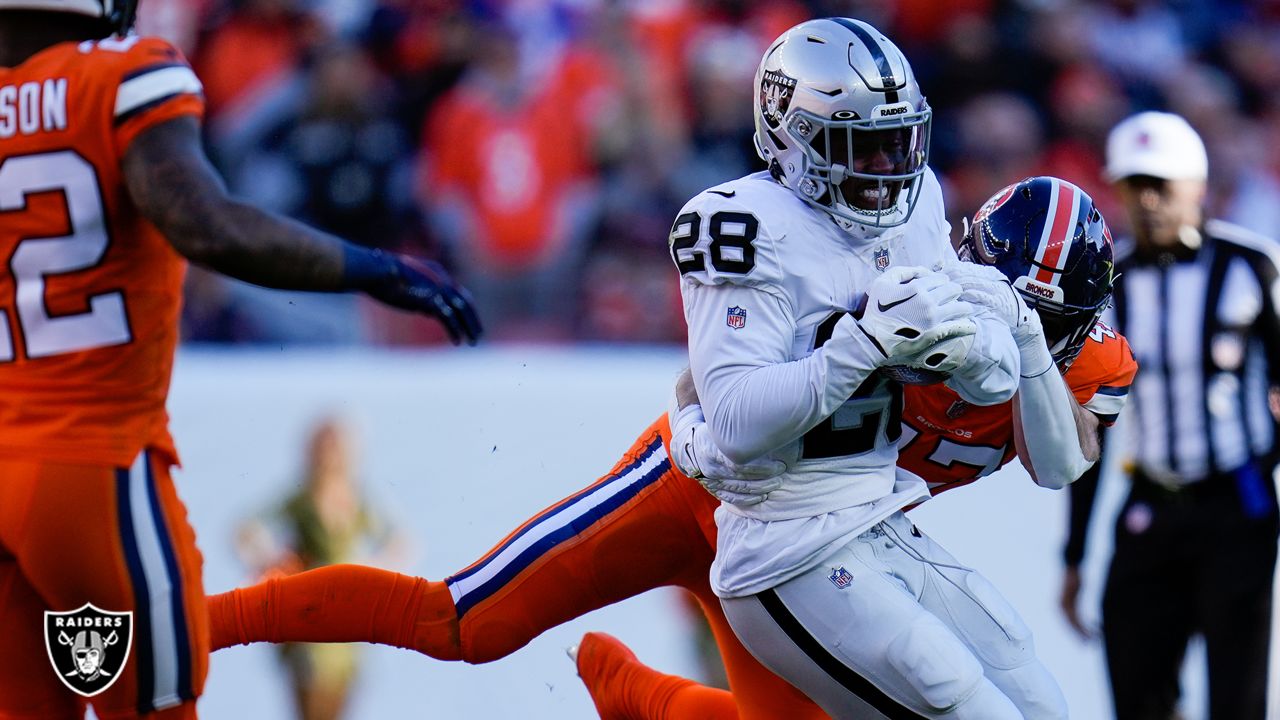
(88, 646)
(776, 90)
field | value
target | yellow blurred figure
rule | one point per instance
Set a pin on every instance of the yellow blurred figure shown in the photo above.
(325, 521)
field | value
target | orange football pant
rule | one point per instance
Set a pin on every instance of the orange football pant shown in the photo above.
(641, 526)
(118, 538)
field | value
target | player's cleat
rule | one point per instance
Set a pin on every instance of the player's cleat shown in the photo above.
(572, 652)
(605, 666)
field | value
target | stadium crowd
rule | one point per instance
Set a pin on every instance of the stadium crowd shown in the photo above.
(541, 148)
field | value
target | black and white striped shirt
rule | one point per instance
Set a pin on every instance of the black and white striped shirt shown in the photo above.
(1206, 333)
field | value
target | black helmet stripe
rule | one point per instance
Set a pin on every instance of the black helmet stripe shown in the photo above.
(877, 54)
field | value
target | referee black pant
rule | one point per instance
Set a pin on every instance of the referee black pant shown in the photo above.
(1195, 560)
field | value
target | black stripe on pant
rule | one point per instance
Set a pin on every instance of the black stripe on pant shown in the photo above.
(841, 673)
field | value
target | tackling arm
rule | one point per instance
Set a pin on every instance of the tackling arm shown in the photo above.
(1064, 441)
(173, 185)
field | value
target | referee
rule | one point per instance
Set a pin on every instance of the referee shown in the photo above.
(1195, 543)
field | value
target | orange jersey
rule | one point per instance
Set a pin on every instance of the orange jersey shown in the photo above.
(90, 292)
(950, 443)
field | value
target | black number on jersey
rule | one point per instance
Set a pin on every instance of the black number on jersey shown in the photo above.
(874, 408)
(733, 236)
(684, 235)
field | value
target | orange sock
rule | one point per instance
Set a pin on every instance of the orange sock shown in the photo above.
(339, 603)
(623, 688)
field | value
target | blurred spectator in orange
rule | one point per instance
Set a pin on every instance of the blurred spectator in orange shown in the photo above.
(251, 67)
(258, 47)
(325, 521)
(510, 180)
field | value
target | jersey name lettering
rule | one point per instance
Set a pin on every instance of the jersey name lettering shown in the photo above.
(33, 107)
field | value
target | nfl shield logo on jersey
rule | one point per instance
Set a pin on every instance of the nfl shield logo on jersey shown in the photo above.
(882, 259)
(840, 578)
(737, 318)
(88, 646)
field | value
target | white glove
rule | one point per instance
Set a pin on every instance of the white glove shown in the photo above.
(911, 309)
(987, 287)
(696, 455)
(990, 373)
(945, 356)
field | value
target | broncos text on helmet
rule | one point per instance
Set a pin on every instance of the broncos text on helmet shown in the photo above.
(841, 121)
(1048, 238)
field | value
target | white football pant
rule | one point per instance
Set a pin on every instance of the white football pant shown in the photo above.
(893, 625)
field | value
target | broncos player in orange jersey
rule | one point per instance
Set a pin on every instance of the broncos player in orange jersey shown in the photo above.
(648, 524)
(105, 194)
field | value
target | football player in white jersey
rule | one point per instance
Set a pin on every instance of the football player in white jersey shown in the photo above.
(789, 359)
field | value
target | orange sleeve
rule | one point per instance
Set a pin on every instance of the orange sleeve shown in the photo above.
(155, 84)
(1100, 377)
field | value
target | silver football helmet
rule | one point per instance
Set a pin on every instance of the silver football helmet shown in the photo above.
(841, 121)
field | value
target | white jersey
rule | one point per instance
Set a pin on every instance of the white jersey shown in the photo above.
(768, 283)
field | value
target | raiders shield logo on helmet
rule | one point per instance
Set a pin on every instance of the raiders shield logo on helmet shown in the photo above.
(88, 646)
(776, 89)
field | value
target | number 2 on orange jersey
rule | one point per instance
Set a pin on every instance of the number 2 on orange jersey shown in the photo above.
(105, 322)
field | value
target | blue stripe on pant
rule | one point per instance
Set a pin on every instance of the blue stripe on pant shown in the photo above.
(163, 647)
(556, 526)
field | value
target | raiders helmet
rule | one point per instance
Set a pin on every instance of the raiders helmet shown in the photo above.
(841, 121)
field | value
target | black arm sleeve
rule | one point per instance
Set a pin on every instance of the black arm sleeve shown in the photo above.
(1267, 326)
(1081, 500)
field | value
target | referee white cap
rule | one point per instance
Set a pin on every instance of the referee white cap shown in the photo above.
(1158, 144)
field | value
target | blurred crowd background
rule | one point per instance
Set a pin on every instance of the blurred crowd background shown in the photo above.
(541, 148)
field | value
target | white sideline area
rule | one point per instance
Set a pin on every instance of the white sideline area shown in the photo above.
(459, 446)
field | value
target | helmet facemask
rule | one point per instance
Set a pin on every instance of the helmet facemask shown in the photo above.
(863, 171)
(842, 122)
(1066, 327)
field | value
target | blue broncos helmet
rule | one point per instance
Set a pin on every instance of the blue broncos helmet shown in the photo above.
(1048, 238)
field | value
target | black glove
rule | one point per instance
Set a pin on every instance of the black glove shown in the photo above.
(417, 285)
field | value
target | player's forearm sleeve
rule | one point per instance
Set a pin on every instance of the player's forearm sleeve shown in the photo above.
(1083, 492)
(1049, 430)
(755, 397)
